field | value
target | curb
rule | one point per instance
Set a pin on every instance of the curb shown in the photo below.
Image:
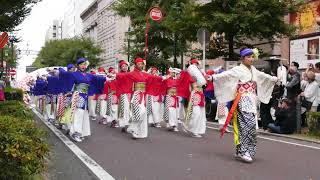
(93, 166)
(261, 132)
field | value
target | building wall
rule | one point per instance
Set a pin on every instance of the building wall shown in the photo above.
(90, 21)
(110, 34)
(54, 31)
(72, 23)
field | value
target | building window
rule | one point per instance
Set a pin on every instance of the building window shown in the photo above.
(54, 35)
(54, 27)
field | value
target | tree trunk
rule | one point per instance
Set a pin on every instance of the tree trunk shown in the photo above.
(175, 61)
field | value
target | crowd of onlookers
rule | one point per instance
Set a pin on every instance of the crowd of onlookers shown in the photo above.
(292, 100)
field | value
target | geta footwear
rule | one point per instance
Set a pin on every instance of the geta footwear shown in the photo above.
(175, 129)
(158, 125)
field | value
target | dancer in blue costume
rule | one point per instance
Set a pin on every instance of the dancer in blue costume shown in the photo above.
(80, 126)
(51, 98)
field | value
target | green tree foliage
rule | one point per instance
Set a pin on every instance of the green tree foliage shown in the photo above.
(177, 27)
(13, 12)
(66, 51)
(246, 19)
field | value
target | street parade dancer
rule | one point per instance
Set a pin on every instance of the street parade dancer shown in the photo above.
(243, 84)
(51, 97)
(92, 100)
(195, 119)
(39, 91)
(183, 91)
(100, 96)
(112, 99)
(138, 79)
(80, 124)
(124, 92)
(154, 99)
(66, 84)
(64, 102)
(171, 103)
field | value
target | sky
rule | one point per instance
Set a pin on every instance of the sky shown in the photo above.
(32, 30)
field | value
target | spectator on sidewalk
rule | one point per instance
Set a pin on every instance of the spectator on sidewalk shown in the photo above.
(310, 94)
(284, 123)
(293, 86)
(316, 70)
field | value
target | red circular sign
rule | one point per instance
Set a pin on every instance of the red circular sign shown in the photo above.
(156, 14)
(13, 72)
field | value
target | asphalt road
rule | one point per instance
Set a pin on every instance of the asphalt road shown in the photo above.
(62, 163)
(168, 155)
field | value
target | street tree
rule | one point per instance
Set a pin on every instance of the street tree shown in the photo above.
(240, 20)
(65, 51)
(166, 38)
(13, 12)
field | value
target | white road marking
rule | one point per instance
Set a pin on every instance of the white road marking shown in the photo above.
(87, 160)
(280, 141)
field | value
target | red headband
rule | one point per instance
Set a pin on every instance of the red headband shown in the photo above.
(123, 63)
(110, 69)
(194, 61)
(210, 72)
(101, 69)
(138, 60)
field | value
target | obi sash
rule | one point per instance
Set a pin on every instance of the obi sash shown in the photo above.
(82, 88)
(140, 86)
(172, 91)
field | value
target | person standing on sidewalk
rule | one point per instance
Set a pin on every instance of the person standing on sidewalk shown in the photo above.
(240, 84)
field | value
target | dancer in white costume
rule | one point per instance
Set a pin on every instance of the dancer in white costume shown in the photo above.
(124, 93)
(241, 84)
(195, 121)
(154, 100)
